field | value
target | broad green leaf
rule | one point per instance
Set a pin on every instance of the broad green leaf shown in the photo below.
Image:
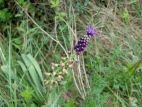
(36, 65)
(32, 72)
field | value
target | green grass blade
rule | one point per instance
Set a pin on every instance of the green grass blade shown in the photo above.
(36, 65)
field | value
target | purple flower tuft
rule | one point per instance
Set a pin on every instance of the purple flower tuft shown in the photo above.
(90, 31)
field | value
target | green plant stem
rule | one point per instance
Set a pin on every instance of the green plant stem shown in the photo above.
(9, 65)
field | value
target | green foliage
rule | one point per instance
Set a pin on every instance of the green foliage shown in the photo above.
(99, 84)
(70, 103)
(133, 1)
(33, 72)
(134, 68)
(97, 97)
(17, 43)
(60, 15)
(125, 16)
(5, 15)
(137, 8)
(26, 5)
(1, 4)
(54, 3)
(27, 94)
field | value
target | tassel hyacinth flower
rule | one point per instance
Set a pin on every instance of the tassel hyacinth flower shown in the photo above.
(83, 41)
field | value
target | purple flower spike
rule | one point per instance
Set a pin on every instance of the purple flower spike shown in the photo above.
(83, 41)
(90, 31)
(81, 44)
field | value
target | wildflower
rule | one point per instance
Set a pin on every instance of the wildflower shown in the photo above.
(90, 31)
(83, 41)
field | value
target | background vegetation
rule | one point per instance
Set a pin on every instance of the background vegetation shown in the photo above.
(36, 35)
